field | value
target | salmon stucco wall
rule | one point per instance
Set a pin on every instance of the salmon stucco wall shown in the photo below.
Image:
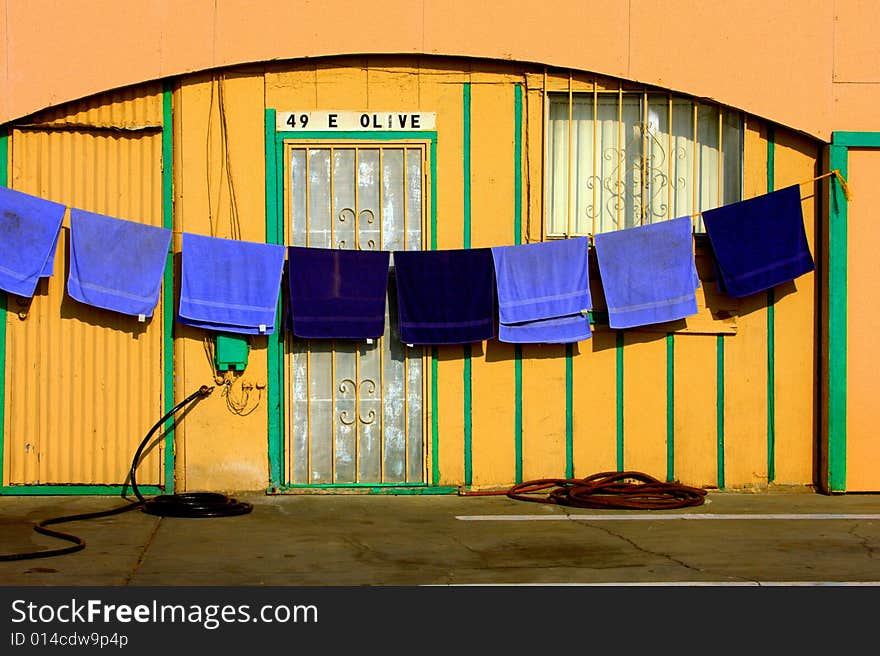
(811, 65)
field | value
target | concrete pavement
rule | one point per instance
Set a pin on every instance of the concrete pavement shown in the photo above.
(386, 540)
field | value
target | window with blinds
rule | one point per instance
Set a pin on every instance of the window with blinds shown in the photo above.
(621, 159)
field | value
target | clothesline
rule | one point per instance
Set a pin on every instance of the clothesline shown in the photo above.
(834, 172)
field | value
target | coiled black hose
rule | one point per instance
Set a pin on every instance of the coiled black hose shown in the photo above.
(191, 504)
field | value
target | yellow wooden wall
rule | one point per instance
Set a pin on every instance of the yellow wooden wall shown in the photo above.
(219, 449)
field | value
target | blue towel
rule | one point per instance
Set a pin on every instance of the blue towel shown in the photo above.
(648, 273)
(29, 228)
(230, 285)
(759, 243)
(559, 330)
(445, 297)
(116, 265)
(543, 291)
(337, 294)
(49, 267)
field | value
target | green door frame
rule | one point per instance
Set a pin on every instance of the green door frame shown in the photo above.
(834, 472)
(167, 335)
(274, 144)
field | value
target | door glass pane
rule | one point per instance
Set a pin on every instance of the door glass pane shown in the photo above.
(355, 410)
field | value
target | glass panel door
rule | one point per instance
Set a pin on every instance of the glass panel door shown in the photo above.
(354, 408)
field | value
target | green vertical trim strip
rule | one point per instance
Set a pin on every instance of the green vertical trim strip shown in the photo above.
(771, 329)
(275, 376)
(517, 163)
(435, 386)
(670, 407)
(435, 421)
(719, 408)
(619, 349)
(168, 280)
(4, 181)
(518, 416)
(837, 308)
(466, 243)
(466, 151)
(517, 239)
(468, 416)
(569, 414)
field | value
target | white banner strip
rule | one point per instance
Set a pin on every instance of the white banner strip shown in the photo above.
(353, 121)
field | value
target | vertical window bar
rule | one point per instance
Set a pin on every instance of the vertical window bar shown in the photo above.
(332, 343)
(379, 343)
(694, 206)
(357, 350)
(720, 200)
(405, 358)
(308, 349)
(595, 171)
(644, 191)
(621, 154)
(669, 161)
(570, 167)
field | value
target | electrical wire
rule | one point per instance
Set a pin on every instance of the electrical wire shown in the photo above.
(192, 504)
(605, 490)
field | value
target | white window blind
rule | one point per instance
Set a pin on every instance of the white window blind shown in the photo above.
(622, 159)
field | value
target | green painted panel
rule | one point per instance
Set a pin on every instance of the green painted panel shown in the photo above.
(168, 282)
(569, 411)
(619, 377)
(855, 140)
(670, 407)
(719, 408)
(4, 181)
(837, 333)
(771, 329)
(84, 490)
(275, 346)
(517, 239)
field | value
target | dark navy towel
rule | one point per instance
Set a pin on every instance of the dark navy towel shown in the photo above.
(230, 285)
(648, 273)
(29, 228)
(337, 294)
(543, 291)
(759, 243)
(116, 265)
(445, 297)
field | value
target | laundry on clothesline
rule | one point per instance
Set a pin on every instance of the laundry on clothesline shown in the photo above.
(116, 264)
(230, 285)
(648, 273)
(759, 243)
(337, 294)
(445, 297)
(29, 231)
(543, 291)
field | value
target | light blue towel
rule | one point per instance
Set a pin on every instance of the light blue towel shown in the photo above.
(648, 273)
(116, 265)
(49, 267)
(559, 330)
(29, 228)
(543, 291)
(230, 285)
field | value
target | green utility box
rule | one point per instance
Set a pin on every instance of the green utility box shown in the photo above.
(231, 353)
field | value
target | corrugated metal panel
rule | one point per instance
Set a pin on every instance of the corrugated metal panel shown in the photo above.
(130, 108)
(83, 384)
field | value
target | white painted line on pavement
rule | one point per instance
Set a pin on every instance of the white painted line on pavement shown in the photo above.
(663, 517)
(684, 584)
